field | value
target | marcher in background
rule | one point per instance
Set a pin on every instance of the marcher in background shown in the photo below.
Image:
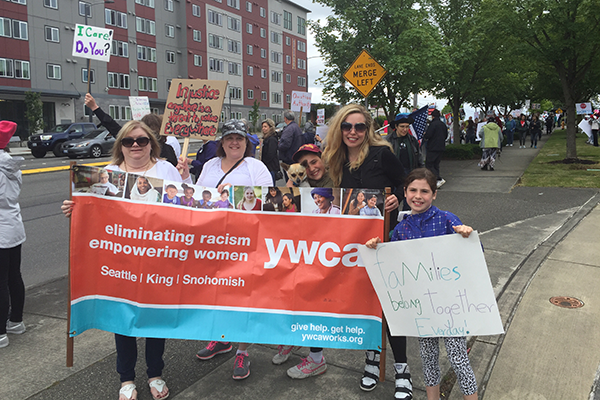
(435, 138)
(207, 152)
(291, 138)
(595, 123)
(471, 131)
(535, 129)
(309, 133)
(491, 142)
(269, 155)
(12, 236)
(509, 130)
(549, 123)
(522, 129)
(405, 146)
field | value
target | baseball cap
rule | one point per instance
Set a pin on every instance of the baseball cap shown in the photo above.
(234, 126)
(311, 148)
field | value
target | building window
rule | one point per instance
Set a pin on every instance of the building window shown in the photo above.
(276, 57)
(276, 97)
(235, 93)
(301, 63)
(263, 12)
(146, 53)
(19, 30)
(301, 26)
(197, 60)
(234, 4)
(215, 65)
(147, 3)
(22, 70)
(249, 49)
(197, 36)
(276, 76)
(288, 59)
(53, 71)
(170, 57)
(276, 37)
(288, 78)
(196, 10)
(235, 68)
(301, 81)
(85, 9)
(263, 73)
(233, 24)
(233, 46)
(52, 34)
(51, 4)
(250, 94)
(263, 53)
(5, 27)
(118, 81)
(84, 75)
(215, 18)
(144, 25)
(263, 97)
(301, 46)
(115, 18)
(248, 6)
(169, 30)
(6, 68)
(147, 84)
(169, 5)
(263, 33)
(119, 48)
(287, 20)
(250, 70)
(214, 41)
(275, 18)
(288, 41)
(288, 98)
(119, 112)
(248, 28)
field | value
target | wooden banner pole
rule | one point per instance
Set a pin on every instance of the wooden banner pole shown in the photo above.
(386, 238)
(70, 339)
(184, 149)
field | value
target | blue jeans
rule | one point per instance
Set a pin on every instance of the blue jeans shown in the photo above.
(510, 135)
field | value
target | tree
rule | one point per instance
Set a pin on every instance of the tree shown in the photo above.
(34, 111)
(564, 36)
(254, 113)
(397, 33)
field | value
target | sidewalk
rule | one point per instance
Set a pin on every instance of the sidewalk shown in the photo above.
(547, 352)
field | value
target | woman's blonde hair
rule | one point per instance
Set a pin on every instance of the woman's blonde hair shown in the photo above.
(117, 150)
(271, 124)
(335, 154)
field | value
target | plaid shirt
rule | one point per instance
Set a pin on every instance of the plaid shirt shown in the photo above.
(433, 222)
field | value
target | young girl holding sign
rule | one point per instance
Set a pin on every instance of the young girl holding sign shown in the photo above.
(426, 220)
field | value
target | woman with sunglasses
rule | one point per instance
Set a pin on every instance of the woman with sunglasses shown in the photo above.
(359, 158)
(136, 150)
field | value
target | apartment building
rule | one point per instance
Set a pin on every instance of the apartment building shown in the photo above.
(258, 46)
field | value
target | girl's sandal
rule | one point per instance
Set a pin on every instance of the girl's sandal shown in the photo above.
(159, 385)
(128, 391)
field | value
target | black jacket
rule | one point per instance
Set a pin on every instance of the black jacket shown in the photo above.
(400, 148)
(436, 135)
(269, 153)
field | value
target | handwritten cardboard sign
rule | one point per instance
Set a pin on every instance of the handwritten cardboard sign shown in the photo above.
(92, 42)
(321, 116)
(194, 108)
(301, 101)
(437, 286)
(140, 106)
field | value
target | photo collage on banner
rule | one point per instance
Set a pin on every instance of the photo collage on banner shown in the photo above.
(304, 200)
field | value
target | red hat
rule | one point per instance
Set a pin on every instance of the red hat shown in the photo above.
(7, 130)
(311, 148)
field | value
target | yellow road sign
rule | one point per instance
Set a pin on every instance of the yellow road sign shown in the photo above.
(365, 73)
(559, 111)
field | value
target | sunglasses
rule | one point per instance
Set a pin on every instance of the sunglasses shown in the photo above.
(361, 127)
(141, 141)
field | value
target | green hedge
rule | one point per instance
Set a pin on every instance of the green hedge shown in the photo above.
(462, 151)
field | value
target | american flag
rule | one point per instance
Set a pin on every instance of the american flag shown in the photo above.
(417, 129)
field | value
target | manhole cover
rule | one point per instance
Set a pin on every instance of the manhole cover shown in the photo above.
(566, 302)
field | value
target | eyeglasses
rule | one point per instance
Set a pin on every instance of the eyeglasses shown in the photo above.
(141, 141)
(361, 127)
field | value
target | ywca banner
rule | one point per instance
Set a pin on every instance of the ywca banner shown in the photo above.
(167, 271)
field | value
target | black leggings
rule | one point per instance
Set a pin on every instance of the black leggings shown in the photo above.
(12, 288)
(398, 345)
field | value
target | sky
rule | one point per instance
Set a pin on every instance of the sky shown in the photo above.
(315, 63)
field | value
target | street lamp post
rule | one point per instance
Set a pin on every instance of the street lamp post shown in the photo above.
(89, 71)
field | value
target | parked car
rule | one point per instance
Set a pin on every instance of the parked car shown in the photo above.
(94, 144)
(53, 139)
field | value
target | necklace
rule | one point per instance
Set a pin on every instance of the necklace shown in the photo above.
(145, 167)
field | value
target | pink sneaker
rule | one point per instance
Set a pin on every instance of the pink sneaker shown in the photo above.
(307, 368)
